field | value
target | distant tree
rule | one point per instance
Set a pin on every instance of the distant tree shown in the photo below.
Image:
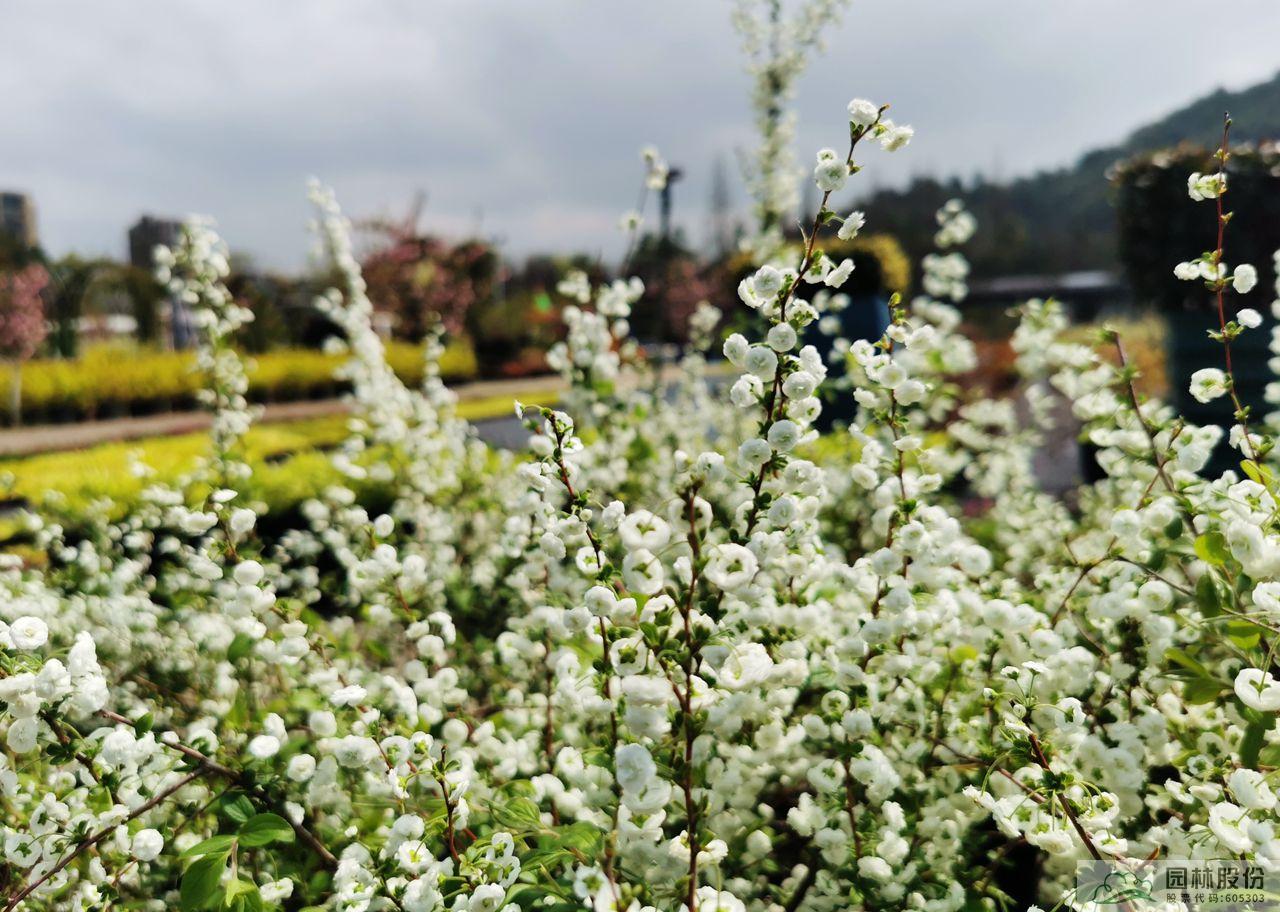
(22, 323)
(70, 280)
(148, 297)
(674, 282)
(424, 280)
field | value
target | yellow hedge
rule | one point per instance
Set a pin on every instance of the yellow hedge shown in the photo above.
(110, 380)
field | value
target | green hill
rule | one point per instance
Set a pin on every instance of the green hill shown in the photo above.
(1063, 220)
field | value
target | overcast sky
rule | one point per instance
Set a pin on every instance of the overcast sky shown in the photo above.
(522, 119)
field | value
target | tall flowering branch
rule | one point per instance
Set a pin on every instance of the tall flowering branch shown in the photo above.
(195, 272)
(1212, 269)
(777, 43)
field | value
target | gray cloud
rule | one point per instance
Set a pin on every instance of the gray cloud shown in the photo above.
(524, 118)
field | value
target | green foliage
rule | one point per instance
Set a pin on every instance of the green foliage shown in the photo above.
(264, 829)
(289, 461)
(112, 380)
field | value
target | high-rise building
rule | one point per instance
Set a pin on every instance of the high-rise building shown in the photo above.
(18, 218)
(148, 233)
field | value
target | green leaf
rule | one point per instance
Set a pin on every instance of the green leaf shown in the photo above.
(519, 813)
(238, 807)
(582, 836)
(1208, 596)
(220, 843)
(145, 724)
(200, 883)
(1260, 474)
(1251, 743)
(1173, 529)
(1211, 548)
(240, 647)
(237, 887)
(242, 896)
(1244, 634)
(1177, 656)
(1202, 690)
(264, 829)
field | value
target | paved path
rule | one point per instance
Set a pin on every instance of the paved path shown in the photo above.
(55, 437)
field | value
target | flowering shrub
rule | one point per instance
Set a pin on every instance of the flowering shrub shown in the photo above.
(22, 323)
(678, 655)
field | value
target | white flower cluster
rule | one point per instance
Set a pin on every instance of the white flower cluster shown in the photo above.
(683, 653)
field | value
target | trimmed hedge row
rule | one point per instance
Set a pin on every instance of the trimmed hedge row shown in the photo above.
(112, 381)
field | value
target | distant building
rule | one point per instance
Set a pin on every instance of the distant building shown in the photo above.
(18, 218)
(147, 234)
(1086, 293)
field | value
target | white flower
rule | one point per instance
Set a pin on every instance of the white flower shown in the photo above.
(1257, 689)
(746, 390)
(276, 890)
(831, 175)
(895, 137)
(22, 734)
(264, 746)
(413, 856)
(838, 276)
(1244, 279)
(1228, 822)
(781, 338)
(762, 362)
(486, 898)
(642, 572)
(301, 767)
(1208, 384)
(147, 845)
(1205, 186)
(350, 695)
(731, 566)
(588, 881)
(799, 385)
(863, 113)
(29, 633)
(1266, 597)
(1187, 272)
(747, 665)
(248, 573)
(767, 281)
(853, 223)
(875, 868)
(635, 767)
(784, 435)
(643, 529)
(712, 899)
(1250, 788)
(242, 520)
(735, 349)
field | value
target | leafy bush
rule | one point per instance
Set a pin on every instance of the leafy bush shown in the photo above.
(110, 380)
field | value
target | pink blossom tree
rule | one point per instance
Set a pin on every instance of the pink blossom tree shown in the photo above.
(22, 324)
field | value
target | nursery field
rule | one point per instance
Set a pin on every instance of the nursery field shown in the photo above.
(111, 380)
(288, 459)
